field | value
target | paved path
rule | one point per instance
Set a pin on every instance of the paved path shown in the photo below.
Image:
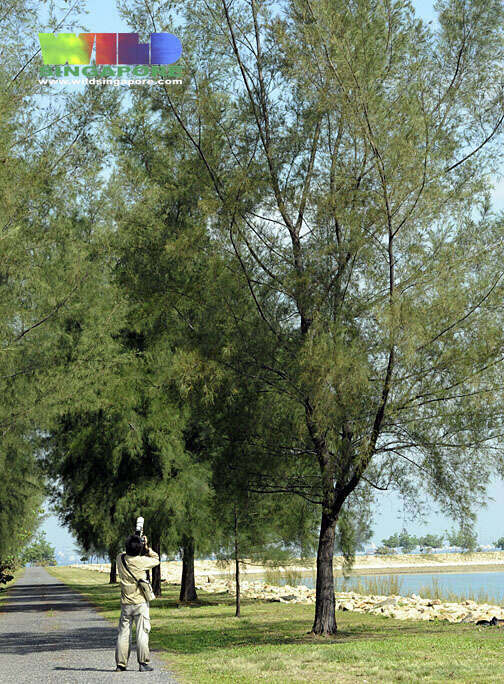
(49, 633)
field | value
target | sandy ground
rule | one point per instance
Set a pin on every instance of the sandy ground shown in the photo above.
(364, 565)
(427, 563)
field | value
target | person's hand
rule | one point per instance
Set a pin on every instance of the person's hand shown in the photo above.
(145, 542)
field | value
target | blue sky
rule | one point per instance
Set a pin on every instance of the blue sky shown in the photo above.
(103, 17)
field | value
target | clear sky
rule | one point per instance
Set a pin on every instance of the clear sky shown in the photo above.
(103, 17)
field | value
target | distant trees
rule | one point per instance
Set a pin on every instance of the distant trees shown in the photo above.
(407, 542)
(431, 541)
(401, 539)
(465, 537)
(385, 551)
(39, 551)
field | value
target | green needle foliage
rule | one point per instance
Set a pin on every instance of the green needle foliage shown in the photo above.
(57, 309)
(348, 149)
(109, 466)
(40, 268)
(21, 496)
(180, 290)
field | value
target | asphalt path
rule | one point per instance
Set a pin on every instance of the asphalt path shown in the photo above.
(49, 633)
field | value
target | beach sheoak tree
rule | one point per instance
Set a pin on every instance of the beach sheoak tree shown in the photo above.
(349, 150)
(46, 168)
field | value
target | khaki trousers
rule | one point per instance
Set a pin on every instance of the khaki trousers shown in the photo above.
(139, 612)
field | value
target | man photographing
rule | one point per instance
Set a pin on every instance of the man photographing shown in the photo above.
(132, 567)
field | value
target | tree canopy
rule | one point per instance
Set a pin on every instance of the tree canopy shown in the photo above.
(347, 149)
(254, 301)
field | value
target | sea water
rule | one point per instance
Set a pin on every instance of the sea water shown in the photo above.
(460, 583)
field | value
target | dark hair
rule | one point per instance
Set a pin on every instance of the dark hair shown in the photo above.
(134, 545)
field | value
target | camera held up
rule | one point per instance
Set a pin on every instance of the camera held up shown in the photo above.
(139, 531)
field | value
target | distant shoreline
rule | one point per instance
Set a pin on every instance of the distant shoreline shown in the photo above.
(427, 569)
(400, 564)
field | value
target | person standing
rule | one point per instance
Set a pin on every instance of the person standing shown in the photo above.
(131, 567)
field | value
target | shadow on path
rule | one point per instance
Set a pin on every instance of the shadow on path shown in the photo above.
(51, 634)
(82, 669)
(35, 598)
(85, 638)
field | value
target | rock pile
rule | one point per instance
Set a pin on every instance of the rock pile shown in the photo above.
(399, 607)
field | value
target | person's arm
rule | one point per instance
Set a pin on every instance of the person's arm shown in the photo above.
(151, 560)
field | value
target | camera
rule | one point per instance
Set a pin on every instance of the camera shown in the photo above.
(139, 531)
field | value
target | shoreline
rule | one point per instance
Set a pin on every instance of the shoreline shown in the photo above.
(400, 564)
(416, 564)
(427, 569)
(211, 577)
(407, 607)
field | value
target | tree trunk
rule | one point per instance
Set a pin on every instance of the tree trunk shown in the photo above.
(325, 618)
(112, 553)
(237, 565)
(156, 572)
(113, 571)
(188, 585)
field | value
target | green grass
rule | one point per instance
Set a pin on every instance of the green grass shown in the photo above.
(205, 644)
(17, 575)
(5, 587)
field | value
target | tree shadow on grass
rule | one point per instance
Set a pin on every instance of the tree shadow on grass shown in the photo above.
(254, 633)
(174, 632)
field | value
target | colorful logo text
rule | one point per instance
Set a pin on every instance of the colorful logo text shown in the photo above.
(111, 48)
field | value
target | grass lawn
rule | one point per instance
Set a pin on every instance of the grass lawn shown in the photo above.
(4, 587)
(205, 643)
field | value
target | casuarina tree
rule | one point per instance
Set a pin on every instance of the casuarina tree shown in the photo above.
(348, 148)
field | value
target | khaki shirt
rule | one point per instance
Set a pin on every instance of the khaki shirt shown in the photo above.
(137, 565)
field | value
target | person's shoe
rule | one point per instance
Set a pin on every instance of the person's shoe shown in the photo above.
(143, 667)
(120, 668)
